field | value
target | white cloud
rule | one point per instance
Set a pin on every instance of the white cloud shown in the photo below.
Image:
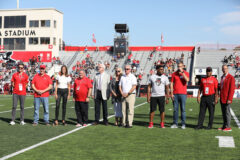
(231, 30)
(230, 17)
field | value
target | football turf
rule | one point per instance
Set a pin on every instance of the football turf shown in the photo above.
(110, 142)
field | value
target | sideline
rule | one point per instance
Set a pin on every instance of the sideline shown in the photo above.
(235, 118)
(54, 138)
(27, 108)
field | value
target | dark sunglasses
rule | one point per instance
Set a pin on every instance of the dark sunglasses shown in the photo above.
(20, 67)
(127, 69)
(118, 71)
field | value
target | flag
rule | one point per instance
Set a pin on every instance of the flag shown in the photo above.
(93, 38)
(162, 40)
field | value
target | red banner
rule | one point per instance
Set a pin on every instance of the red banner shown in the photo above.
(132, 48)
(46, 56)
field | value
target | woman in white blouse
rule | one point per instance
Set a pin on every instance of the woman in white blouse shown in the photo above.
(62, 91)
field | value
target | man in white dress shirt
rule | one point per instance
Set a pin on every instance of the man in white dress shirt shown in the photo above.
(101, 93)
(127, 87)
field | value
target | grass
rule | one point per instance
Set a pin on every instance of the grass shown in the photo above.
(109, 142)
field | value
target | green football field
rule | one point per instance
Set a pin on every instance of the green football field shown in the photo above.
(110, 142)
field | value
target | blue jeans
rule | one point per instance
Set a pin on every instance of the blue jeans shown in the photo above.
(179, 99)
(44, 101)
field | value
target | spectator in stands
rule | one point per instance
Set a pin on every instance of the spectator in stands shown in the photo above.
(122, 54)
(225, 60)
(137, 63)
(227, 87)
(116, 96)
(19, 84)
(85, 49)
(62, 91)
(158, 91)
(101, 93)
(209, 90)
(127, 87)
(150, 56)
(81, 95)
(41, 85)
(179, 94)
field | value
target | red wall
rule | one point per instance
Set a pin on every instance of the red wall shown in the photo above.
(26, 55)
(133, 48)
(82, 48)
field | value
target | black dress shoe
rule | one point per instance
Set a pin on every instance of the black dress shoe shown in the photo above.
(95, 123)
(209, 127)
(127, 126)
(199, 127)
(106, 123)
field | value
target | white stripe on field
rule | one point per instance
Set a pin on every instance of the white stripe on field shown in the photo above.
(226, 141)
(235, 118)
(24, 108)
(54, 138)
(16, 110)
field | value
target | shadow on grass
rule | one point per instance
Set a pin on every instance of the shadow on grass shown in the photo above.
(73, 121)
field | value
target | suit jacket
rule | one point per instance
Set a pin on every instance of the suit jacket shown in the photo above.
(105, 85)
(227, 91)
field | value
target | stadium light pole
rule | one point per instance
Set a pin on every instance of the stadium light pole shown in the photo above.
(17, 4)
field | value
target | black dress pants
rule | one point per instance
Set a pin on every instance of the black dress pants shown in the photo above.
(98, 101)
(206, 102)
(81, 109)
(62, 94)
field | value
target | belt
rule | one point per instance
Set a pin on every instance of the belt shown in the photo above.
(208, 95)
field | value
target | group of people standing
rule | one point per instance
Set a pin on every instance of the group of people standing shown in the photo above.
(208, 93)
(122, 87)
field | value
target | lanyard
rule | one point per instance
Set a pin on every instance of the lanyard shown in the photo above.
(20, 77)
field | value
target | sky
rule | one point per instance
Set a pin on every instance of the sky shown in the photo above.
(181, 22)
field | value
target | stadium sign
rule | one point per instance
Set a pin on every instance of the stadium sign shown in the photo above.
(202, 71)
(14, 33)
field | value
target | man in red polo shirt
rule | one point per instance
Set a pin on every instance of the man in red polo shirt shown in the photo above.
(179, 94)
(41, 85)
(19, 83)
(209, 90)
(227, 87)
(81, 95)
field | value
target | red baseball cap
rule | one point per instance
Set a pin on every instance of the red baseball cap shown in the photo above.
(42, 66)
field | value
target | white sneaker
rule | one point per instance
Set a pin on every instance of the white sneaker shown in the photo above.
(78, 125)
(184, 126)
(12, 123)
(22, 123)
(174, 126)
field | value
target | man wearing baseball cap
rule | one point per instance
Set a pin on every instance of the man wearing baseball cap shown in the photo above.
(41, 85)
(227, 88)
(209, 90)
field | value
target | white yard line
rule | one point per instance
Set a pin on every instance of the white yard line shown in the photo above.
(54, 138)
(235, 118)
(16, 109)
(226, 141)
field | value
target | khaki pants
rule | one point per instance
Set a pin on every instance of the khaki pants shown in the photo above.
(129, 101)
